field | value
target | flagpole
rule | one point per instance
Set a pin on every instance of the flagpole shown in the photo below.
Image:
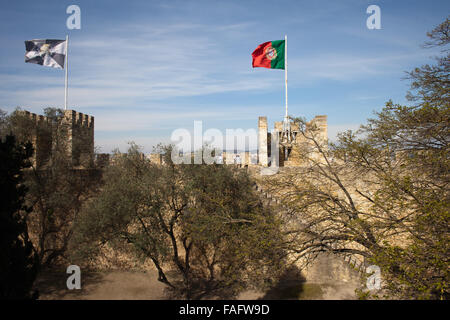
(67, 71)
(285, 74)
(286, 123)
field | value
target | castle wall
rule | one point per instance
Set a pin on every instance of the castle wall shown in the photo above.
(262, 142)
(155, 158)
(80, 137)
(245, 158)
(75, 131)
(320, 122)
(38, 129)
(299, 146)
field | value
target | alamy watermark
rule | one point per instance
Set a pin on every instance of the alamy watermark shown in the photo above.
(374, 280)
(215, 146)
(374, 20)
(74, 20)
(74, 280)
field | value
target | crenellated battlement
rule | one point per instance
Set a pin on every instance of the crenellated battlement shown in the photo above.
(292, 143)
(319, 121)
(79, 119)
(35, 118)
(80, 137)
(76, 129)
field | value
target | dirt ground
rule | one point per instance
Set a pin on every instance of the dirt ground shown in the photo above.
(111, 285)
(128, 285)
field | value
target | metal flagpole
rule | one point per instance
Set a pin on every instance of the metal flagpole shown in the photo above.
(286, 123)
(285, 73)
(67, 71)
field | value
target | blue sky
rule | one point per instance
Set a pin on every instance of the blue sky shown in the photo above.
(146, 68)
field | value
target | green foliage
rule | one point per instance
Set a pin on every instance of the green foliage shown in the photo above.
(430, 84)
(18, 262)
(204, 222)
(56, 190)
(53, 114)
(406, 149)
(382, 193)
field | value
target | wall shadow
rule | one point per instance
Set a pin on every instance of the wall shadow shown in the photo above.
(289, 286)
(51, 284)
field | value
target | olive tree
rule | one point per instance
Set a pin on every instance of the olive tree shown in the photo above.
(202, 226)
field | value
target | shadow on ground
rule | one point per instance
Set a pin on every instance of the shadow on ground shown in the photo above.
(108, 285)
(124, 285)
(289, 286)
(52, 283)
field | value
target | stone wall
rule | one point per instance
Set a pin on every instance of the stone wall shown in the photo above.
(336, 276)
(80, 137)
(263, 144)
(290, 153)
(38, 130)
(155, 158)
(74, 131)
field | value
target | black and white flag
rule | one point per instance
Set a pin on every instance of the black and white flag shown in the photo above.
(46, 52)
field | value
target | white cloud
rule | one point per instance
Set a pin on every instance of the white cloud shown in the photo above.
(146, 63)
(107, 145)
(344, 67)
(334, 129)
(128, 75)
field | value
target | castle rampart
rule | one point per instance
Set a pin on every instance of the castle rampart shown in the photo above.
(74, 130)
(292, 142)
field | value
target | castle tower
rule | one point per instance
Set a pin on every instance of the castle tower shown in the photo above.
(320, 122)
(38, 130)
(291, 150)
(262, 142)
(74, 131)
(79, 129)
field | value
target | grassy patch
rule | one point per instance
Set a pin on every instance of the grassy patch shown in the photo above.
(311, 291)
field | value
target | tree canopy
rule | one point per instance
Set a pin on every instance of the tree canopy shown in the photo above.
(381, 193)
(203, 223)
(18, 263)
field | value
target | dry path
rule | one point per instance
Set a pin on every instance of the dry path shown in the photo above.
(127, 285)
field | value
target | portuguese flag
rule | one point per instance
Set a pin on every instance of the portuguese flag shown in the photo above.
(269, 55)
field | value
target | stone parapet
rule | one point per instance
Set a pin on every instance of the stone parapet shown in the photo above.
(74, 132)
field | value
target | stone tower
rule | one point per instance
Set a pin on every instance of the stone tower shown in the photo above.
(38, 130)
(263, 142)
(80, 137)
(74, 130)
(291, 148)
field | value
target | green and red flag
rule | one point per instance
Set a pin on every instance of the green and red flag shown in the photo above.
(269, 55)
